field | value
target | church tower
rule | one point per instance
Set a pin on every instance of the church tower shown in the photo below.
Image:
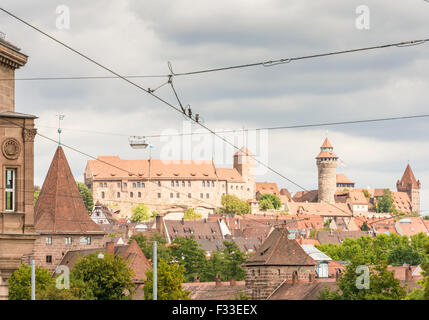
(411, 186)
(327, 171)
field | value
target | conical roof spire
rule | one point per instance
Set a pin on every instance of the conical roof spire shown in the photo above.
(326, 144)
(60, 208)
(408, 179)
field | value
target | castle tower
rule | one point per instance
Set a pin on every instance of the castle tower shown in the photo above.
(244, 163)
(411, 186)
(327, 171)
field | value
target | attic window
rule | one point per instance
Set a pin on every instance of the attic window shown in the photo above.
(141, 174)
(113, 174)
(193, 174)
(176, 174)
(205, 174)
(159, 174)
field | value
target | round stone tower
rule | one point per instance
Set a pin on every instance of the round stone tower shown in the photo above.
(327, 172)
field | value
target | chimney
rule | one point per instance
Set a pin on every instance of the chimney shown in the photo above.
(232, 282)
(408, 274)
(110, 247)
(159, 221)
(197, 278)
(218, 281)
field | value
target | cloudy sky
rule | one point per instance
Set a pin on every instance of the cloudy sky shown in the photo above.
(140, 37)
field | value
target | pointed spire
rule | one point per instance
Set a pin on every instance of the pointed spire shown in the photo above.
(408, 179)
(60, 208)
(326, 144)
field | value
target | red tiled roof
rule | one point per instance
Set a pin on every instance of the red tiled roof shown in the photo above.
(60, 208)
(267, 187)
(326, 154)
(326, 144)
(408, 179)
(341, 178)
(243, 151)
(229, 174)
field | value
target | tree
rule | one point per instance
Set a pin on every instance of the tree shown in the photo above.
(265, 205)
(275, 201)
(188, 254)
(364, 226)
(405, 254)
(190, 214)
(366, 193)
(385, 203)
(234, 258)
(86, 196)
(146, 245)
(140, 213)
(382, 285)
(20, 282)
(36, 193)
(169, 284)
(233, 205)
(108, 278)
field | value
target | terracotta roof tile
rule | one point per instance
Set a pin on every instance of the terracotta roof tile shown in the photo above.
(341, 178)
(408, 179)
(267, 187)
(60, 208)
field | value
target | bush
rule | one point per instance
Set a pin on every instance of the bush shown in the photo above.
(140, 213)
(275, 201)
(190, 214)
(233, 205)
(265, 205)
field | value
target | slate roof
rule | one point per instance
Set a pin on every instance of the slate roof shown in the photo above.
(278, 250)
(60, 208)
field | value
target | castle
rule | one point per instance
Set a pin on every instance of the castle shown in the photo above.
(164, 186)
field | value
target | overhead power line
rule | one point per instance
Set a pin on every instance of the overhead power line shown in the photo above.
(268, 63)
(298, 126)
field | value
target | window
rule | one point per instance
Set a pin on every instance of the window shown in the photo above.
(125, 184)
(171, 195)
(102, 195)
(142, 184)
(101, 184)
(189, 196)
(189, 183)
(134, 184)
(139, 194)
(177, 183)
(204, 183)
(131, 194)
(138, 184)
(201, 195)
(88, 240)
(159, 195)
(105, 184)
(49, 240)
(212, 183)
(177, 195)
(48, 259)
(207, 195)
(118, 184)
(183, 183)
(172, 183)
(68, 240)
(118, 194)
(10, 189)
(159, 183)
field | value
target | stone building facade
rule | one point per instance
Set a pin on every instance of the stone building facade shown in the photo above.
(327, 172)
(61, 218)
(278, 260)
(162, 185)
(17, 132)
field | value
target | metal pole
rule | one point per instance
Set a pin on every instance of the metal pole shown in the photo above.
(33, 280)
(154, 278)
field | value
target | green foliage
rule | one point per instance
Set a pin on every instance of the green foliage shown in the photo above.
(275, 201)
(189, 255)
(366, 193)
(233, 205)
(169, 284)
(86, 196)
(20, 282)
(405, 254)
(36, 193)
(107, 278)
(190, 214)
(382, 285)
(364, 226)
(426, 217)
(154, 214)
(265, 205)
(313, 233)
(372, 250)
(146, 245)
(385, 203)
(140, 213)
(240, 295)
(327, 224)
